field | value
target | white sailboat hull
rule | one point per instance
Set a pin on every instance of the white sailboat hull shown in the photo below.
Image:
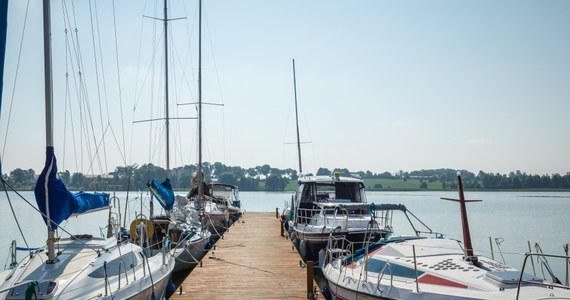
(434, 270)
(91, 269)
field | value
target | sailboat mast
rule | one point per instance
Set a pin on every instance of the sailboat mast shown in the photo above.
(48, 83)
(200, 173)
(167, 120)
(200, 186)
(297, 119)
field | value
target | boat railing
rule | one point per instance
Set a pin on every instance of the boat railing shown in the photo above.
(554, 283)
(338, 249)
(388, 267)
(334, 217)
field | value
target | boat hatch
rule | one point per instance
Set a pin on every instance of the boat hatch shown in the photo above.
(377, 265)
(44, 290)
(114, 267)
(510, 277)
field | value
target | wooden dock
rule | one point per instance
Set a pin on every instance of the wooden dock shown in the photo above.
(252, 261)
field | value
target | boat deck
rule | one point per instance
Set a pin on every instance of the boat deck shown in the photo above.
(252, 261)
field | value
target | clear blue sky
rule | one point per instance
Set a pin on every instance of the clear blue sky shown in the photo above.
(382, 86)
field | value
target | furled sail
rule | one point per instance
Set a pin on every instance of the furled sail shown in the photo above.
(3, 30)
(163, 193)
(56, 202)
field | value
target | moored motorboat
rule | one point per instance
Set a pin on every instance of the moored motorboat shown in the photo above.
(227, 195)
(335, 205)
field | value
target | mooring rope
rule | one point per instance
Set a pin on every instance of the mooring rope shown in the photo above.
(252, 268)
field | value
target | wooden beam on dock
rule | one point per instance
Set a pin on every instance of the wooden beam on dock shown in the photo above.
(252, 261)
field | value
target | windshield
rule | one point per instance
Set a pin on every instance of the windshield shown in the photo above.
(333, 192)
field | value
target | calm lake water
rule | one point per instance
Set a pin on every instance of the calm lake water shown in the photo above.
(515, 217)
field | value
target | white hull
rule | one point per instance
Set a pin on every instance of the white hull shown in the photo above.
(436, 270)
(189, 253)
(91, 269)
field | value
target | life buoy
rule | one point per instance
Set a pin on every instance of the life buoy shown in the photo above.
(146, 223)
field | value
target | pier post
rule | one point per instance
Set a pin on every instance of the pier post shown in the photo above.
(277, 213)
(310, 277)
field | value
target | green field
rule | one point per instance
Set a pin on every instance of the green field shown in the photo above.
(397, 184)
(387, 185)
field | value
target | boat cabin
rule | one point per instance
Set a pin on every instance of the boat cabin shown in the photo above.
(325, 189)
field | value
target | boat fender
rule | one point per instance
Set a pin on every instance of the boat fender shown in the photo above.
(294, 239)
(322, 254)
(170, 289)
(303, 247)
(208, 245)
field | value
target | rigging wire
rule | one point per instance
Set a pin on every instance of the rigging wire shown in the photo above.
(219, 85)
(87, 125)
(93, 26)
(68, 59)
(119, 86)
(15, 80)
(190, 26)
(73, 46)
(4, 184)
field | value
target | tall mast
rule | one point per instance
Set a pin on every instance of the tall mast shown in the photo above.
(297, 120)
(200, 173)
(167, 120)
(48, 83)
(200, 88)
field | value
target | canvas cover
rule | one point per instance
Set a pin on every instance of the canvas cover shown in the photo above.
(57, 203)
(163, 193)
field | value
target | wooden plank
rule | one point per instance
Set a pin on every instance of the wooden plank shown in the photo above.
(252, 261)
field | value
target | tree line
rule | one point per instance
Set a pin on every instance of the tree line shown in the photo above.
(135, 177)
(266, 178)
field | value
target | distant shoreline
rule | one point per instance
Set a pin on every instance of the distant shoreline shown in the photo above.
(371, 190)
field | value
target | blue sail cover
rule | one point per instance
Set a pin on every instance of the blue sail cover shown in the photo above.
(3, 30)
(163, 192)
(56, 202)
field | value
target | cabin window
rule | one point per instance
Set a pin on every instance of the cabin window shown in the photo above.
(308, 193)
(347, 191)
(118, 265)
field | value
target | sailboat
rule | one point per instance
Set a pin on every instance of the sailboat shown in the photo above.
(325, 205)
(212, 215)
(419, 267)
(188, 240)
(84, 266)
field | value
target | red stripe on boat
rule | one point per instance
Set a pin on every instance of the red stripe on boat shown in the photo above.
(427, 278)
